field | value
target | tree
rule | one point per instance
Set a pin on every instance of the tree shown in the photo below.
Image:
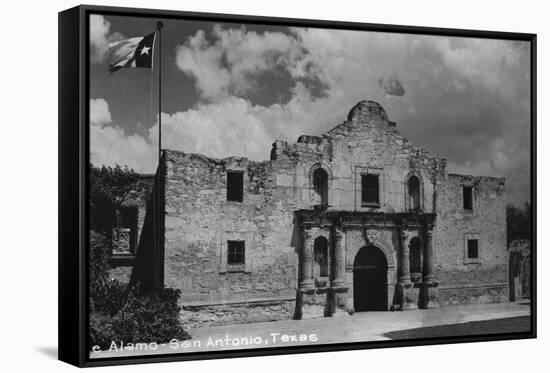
(518, 222)
(109, 188)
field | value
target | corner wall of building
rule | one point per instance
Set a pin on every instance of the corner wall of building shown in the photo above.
(199, 220)
(462, 279)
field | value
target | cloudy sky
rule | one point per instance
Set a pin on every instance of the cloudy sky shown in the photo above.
(229, 89)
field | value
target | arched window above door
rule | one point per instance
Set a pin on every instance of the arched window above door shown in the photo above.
(414, 193)
(320, 185)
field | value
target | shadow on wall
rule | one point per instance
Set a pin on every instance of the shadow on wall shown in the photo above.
(149, 264)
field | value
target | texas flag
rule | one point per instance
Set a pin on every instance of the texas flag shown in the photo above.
(132, 52)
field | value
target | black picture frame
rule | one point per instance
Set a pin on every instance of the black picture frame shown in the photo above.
(73, 180)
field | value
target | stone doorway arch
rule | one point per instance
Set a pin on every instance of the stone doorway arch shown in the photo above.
(370, 281)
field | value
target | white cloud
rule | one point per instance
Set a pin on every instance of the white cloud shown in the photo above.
(494, 64)
(230, 63)
(203, 62)
(198, 131)
(100, 37)
(99, 112)
(235, 126)
(110, 145)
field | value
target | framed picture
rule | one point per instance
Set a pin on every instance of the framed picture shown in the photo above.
(234, 186)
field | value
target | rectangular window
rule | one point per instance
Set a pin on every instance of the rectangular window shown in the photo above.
(235, 186)
(370, 190)
(124, 239)
(473, 251)
(235, 256)
(467, 193)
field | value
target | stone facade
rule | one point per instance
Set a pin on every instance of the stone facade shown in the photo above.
(355, 219)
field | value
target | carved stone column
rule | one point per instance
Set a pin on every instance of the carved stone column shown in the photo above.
(338, 289)
(305, 294)
(428, 295)
(307, 260)
(427, 270)
(339, 258)
(404, 264)
(405, 296)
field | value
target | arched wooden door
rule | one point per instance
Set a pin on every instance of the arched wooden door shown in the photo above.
(370, 282)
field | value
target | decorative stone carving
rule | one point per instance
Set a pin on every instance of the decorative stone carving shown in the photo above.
(355, 241)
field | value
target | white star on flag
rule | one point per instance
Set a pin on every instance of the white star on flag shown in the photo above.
(145, 50)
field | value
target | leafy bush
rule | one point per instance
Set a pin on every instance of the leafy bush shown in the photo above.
(101, 331)
(119, 313)
(98, 265)
(107, 296)
(143, 318)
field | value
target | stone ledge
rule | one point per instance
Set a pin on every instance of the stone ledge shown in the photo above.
(338, 289)
(245, 302)
(497, 285)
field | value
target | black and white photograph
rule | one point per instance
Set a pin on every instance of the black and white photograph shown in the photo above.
(275, 186)
(262, 186)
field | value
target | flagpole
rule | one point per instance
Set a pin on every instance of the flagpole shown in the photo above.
(159, 281)
(159, 28)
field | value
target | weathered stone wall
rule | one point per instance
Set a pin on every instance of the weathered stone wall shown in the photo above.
(463, 279)
(451, 295)
(193, 317)
(199, 220)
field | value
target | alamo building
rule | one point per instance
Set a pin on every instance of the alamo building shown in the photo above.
(357, 219)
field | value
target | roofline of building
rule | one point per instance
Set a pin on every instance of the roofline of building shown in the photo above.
(500, 178)
(215, 159)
